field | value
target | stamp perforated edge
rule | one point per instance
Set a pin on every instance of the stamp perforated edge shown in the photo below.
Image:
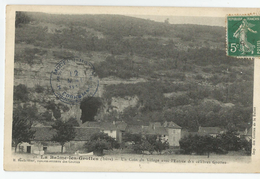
(226, 28)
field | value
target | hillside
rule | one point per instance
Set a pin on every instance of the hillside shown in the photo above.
(148, 71)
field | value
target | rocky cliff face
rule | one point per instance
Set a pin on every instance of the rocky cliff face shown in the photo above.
(38, 73)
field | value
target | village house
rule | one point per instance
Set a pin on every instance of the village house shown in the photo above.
(168, 131)
(174, 133)
(114, 129)
(212, 131)
(43, 134)
(42, 140)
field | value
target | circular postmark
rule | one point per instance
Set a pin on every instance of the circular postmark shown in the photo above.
(72, 80)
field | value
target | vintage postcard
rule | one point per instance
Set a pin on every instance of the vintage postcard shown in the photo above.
(132, 89)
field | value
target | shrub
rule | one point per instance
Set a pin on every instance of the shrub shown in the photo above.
(63, 107)
(21, 18)
(21, 93)
(46, 116)
(149, 143)
(247, 146)
(39, 89)
(99, 142)
(56, 113)
(198, 144)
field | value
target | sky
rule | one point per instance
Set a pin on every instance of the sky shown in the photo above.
(211, 21)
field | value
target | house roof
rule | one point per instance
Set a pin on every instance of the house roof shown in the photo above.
(171, 125)
(156, 124)
(186, 133)
(134, 129)
(209, 130)
(155, 130)
(84, 133)
(151, 130)
(46, 133)
(43, 133)
(121, 125)
(101, 125)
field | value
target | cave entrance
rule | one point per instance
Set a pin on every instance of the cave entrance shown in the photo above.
(89, 107)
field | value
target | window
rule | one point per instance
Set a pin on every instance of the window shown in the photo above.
(44, 148)
(173, 131)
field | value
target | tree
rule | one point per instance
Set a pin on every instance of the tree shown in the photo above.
(64, 132)
(21, 93)
(143, 143)
(128, 137)
(247, 146)
(198, 144)
(99, 142)
(21, 18)
(21, 131)
(209, 146)
(230, 141)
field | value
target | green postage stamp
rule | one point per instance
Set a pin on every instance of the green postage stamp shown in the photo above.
(243, 36)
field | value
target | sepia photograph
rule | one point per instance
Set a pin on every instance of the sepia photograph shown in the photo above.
(131, 89)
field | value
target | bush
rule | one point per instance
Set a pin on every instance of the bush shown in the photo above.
(39, 89)
(21, 93)
(97, 146)
(56, 113)
(46, 116)
(178, 101)
(21, 18)
(230, 141)
(198, 144)
(247, 146)
(99, 142)
(149, 143)
(63, 107)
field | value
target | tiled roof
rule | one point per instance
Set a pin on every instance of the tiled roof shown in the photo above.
(43, 133)
(171, 125)
(156, 124)
(134, 129)
(121, 125)
(186, 133)
(210, 130)
(155, 131)
(101, 125)
(46, 133)
(84, 133)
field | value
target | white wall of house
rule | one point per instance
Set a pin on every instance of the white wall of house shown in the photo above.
(38, 148)
(174, 137)
(111, 133)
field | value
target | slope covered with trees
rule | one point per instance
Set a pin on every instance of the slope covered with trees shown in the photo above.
(185, 74)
